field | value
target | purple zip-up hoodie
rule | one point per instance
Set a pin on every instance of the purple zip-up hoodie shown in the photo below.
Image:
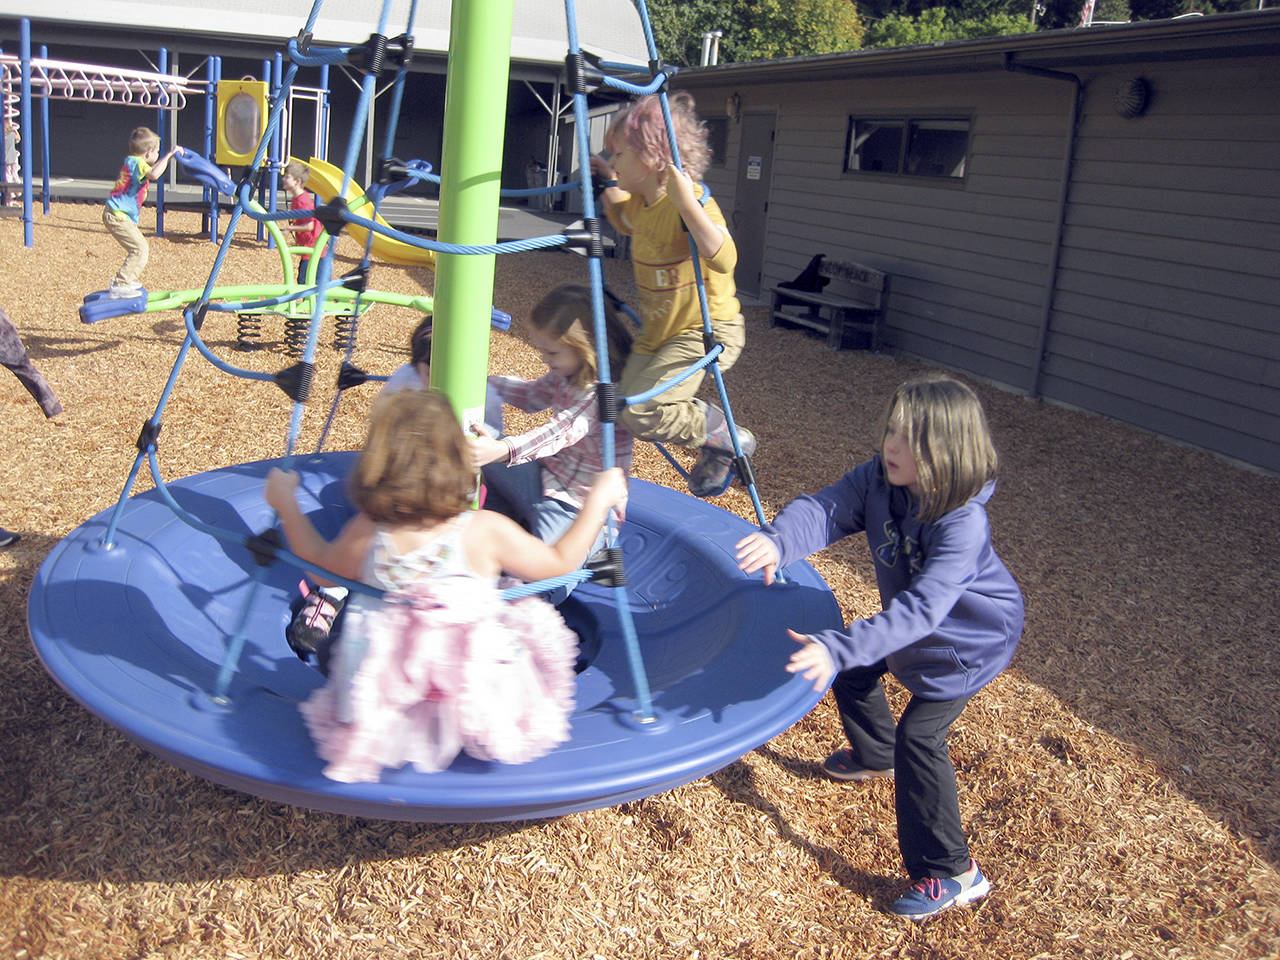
(952, 612)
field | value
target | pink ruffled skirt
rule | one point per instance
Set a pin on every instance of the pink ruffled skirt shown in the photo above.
(440, 667)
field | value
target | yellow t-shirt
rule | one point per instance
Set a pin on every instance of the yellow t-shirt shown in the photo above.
(665, 281)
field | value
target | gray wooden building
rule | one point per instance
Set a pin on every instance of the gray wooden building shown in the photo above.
(1090, 215)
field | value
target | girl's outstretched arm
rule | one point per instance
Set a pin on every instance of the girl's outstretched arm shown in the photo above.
(813, 659)
(758, 552)
(486, 450)
(523, 555)
(343, 555)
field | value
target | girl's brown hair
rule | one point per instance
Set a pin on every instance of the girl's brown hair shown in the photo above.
(947, 433)
(415, 468)
(565, 315)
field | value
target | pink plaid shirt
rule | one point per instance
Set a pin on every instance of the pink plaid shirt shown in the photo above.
(570, 444)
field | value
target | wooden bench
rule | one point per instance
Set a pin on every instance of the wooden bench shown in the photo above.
(854, 299)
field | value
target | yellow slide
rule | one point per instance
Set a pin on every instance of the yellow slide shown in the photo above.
(325, 182)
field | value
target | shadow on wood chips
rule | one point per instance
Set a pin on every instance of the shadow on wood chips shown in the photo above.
(1118, 783)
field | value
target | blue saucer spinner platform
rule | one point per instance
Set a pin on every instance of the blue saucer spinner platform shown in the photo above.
(138, 631)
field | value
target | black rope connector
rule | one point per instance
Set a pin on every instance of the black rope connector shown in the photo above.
(247, 179)
(378, 53)
(357, 279)
(148, 435)
(304, 41)
(577, 239)
(583, 72)
(606, 567)
(197, 320)
(709, 342)
(609, 403)
(295, 381)
(742, 465)
(330, 215)
(400, 50)
(369, 56)
(588, 238)
(658, 69)
(255, 177)
(264, 545)
(350, 376)
(390, 170)
(574, 67)
(592, 226)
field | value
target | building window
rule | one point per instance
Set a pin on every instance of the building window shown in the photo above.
(717, 139)
(910, 147)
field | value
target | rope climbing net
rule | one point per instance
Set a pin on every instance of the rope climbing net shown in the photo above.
(382, 54)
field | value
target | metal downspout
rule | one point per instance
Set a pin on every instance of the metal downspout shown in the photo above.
(1068, 156)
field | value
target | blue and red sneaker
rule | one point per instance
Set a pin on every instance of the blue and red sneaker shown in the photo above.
(929, 895)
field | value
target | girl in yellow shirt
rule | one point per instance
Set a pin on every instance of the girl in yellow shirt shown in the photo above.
(647, 198)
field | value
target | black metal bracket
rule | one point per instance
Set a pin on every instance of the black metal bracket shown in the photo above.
(350, 376)
(295, 381)
(148, 436)
(330, 215)
(264, 546)
(606, 567)
(609, 404)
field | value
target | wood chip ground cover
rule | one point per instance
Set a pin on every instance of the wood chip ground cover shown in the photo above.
(1118, 783)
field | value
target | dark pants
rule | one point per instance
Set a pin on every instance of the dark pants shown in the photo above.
(929, 832)
(13, 355)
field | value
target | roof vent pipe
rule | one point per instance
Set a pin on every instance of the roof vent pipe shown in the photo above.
(711, 47)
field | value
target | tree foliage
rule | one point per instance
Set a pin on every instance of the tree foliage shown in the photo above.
(1066, 13)
(766, 29)
(754, 29)
(1155, 9)
(1113, 11)
(873, 10)
(796, 28)
(938, 24)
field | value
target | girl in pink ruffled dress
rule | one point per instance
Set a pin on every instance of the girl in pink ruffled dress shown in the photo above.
(440, 663)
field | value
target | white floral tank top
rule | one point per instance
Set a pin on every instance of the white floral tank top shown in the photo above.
(442, 557)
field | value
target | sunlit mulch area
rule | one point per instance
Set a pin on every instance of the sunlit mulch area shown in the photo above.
(1118, 782)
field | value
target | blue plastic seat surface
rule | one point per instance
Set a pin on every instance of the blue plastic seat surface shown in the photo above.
(137, 633)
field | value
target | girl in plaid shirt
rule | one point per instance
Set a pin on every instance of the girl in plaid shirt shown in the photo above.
(541, 478)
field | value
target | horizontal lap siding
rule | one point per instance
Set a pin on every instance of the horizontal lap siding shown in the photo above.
(967, 261)
(1167, 311)
(1166, 301)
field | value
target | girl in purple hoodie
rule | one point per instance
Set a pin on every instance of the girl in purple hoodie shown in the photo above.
(952, 615)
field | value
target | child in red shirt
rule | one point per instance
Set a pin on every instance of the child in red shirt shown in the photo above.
(305, 230)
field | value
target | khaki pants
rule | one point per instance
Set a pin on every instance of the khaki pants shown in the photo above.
(672, 416)
(130, 237)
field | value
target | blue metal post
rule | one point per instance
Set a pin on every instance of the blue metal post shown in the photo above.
(277, 142)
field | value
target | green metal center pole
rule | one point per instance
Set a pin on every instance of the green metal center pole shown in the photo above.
(475, 117)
